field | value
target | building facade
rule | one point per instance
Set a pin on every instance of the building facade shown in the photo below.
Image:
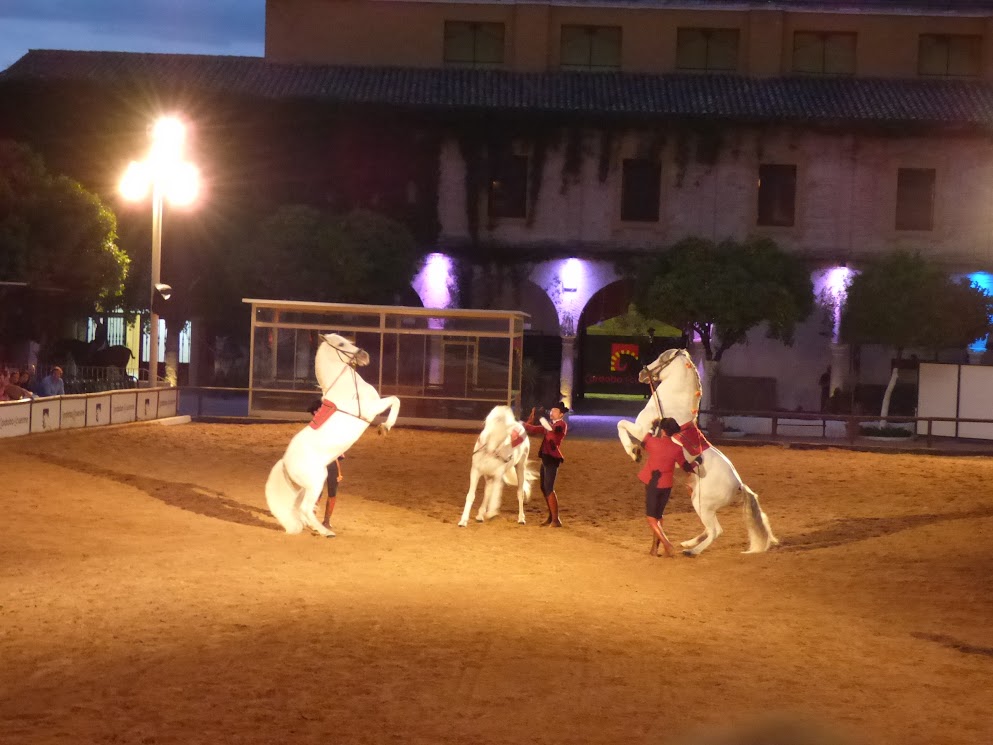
(569, 136)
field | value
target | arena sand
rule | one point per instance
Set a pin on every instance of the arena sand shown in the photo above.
(146, 596)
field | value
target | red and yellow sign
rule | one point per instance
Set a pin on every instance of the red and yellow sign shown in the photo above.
(617, 354)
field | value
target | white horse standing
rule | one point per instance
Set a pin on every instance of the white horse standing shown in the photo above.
(349, 406)
(677, 395)
(500, 456)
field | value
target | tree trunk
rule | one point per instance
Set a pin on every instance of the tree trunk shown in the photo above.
(710, 370)
(886, 397)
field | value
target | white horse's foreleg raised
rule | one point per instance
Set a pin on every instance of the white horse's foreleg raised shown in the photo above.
(469, 497)
(393, 404)
(629, 436)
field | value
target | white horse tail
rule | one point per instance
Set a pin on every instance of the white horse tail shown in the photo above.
(510, 477)
(760, 536)
(530, 474)
(281, 497)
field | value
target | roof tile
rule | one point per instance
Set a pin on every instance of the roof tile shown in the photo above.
(788, 99)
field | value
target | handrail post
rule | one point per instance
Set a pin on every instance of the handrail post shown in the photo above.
(775, 425)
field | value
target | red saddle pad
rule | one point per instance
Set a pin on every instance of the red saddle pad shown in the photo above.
(323, 414)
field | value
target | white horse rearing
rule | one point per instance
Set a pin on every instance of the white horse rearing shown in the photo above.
(349, 405)
(677, 395)
(500, 456)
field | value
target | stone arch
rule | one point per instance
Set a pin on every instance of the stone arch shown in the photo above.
(569, 284)
(608, 302)
(533, 300)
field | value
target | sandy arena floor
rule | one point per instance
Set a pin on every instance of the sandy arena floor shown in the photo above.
(146, 597)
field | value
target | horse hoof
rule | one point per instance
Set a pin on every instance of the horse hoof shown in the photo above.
(330, 534)
(463, 524)
(689, 553)
(479, 520)
(521, 522)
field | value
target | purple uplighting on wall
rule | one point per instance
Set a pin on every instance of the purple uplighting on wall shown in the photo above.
(571, 274)
(831, 286)
(435, 281)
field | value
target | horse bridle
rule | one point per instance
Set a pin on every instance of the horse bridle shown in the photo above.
(663, 366)
(349, 359)
(493, 452)
(651, 380)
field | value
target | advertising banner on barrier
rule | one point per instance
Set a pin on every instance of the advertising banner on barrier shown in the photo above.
(45, 414)
(148, 405)
(97, 411)
(15, 419)
(122, 407)
(73, 412)
(167, 403)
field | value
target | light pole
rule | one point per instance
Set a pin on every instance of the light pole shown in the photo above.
(170, 178)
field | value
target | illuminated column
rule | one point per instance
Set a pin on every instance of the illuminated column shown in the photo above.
(570, 283)
(831, 286)
(567, 370)
(840, 357)
(435, 285)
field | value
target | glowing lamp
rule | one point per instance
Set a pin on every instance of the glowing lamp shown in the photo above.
(169, 178)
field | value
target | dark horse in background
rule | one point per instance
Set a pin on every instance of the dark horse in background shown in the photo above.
(86, 354)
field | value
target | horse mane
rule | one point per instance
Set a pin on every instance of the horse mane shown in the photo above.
(498, 422)
(324, 361)
(696, 373)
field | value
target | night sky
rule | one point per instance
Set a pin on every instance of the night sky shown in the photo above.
(183, 26)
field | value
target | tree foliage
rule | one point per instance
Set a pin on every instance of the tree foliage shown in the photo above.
(301, 253)
(723, 290)
(57, 237)
(905, 301)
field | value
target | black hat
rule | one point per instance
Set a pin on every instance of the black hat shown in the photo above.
(560, 406)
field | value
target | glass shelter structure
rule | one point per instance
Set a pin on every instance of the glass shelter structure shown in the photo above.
(448, 367)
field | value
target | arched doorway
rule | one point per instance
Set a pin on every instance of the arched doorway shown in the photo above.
(614, 341)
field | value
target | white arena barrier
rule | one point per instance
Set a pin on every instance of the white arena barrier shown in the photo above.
(53, 413)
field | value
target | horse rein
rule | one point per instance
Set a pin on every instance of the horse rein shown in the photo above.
(349, 359)
(493, 452)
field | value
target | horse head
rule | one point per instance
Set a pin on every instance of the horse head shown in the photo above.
(347, 351)
(656, 371)
(496, 432)
(335, 355)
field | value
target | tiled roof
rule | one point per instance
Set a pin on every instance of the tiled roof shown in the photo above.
(883, 7)
(786, 99)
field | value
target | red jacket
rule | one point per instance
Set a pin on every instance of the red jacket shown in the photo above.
(553, 438)
(662, 455)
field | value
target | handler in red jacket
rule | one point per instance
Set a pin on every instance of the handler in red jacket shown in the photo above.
(662, 455)
(554, 430)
